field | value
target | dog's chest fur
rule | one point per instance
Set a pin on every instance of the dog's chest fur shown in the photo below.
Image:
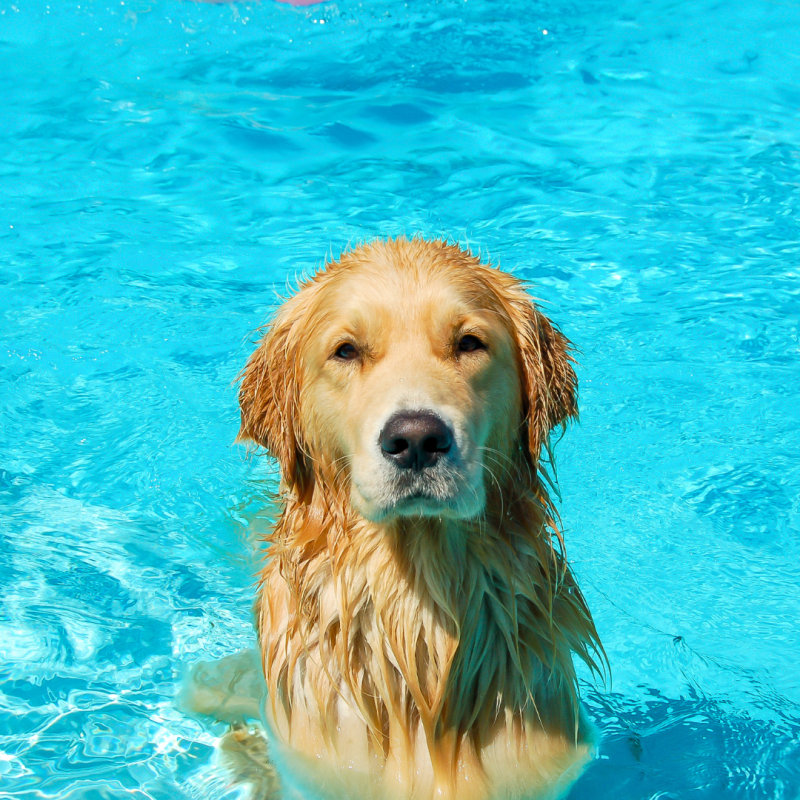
(426, 659)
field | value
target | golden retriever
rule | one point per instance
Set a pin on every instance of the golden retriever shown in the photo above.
(416, 614)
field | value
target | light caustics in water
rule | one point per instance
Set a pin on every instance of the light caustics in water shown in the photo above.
(167, 168)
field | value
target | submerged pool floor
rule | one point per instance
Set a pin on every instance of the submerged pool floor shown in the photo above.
(166, 167)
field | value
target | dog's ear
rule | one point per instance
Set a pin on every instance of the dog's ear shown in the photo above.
(549, 383)
(269, 397)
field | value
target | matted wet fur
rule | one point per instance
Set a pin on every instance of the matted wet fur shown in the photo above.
(417, 626)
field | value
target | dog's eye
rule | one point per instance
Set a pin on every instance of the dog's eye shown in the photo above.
(346, 352)
(470, 343)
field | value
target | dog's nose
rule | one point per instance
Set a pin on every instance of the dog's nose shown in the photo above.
(415, 440)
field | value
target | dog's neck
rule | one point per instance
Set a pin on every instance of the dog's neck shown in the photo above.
(454, 628)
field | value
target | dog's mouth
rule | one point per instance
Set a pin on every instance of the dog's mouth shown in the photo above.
(419, 502)
(440, 483)
(445, 490)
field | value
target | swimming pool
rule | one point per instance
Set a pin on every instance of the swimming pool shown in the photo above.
(167, 166)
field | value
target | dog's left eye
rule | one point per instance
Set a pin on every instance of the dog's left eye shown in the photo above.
(346, 352)
(470, 343)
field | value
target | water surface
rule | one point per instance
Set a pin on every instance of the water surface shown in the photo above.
(167, 167)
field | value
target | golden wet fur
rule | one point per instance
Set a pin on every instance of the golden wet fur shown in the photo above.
(417, 644)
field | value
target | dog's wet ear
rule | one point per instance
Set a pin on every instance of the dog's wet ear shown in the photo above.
(269, 396)
(550, 386)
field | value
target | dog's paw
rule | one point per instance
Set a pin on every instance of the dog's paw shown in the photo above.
(244, 752)
(229, 690)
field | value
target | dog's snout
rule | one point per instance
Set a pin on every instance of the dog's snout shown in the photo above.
(415, 440)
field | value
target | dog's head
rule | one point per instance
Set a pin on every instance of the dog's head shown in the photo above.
(410, 375)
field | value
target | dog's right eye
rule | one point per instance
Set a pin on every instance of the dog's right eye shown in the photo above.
(345, 352)
(470, 343)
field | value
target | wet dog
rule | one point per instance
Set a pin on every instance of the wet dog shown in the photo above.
(416, 614)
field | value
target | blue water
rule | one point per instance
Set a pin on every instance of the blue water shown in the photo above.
(166, 166)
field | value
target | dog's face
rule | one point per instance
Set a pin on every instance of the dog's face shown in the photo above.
(414, 372)
(409, 384)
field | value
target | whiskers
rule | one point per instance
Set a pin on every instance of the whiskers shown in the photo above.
(517, 474)
(496, 482)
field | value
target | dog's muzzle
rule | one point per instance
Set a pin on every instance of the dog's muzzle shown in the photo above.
(416, 467)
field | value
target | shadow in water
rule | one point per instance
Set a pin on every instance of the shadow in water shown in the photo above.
(687, 748)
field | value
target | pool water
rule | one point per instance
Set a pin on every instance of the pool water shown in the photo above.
(167, 167)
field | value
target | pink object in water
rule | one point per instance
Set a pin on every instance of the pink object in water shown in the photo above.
(289, 2)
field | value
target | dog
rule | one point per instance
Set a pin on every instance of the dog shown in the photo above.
(416, 614)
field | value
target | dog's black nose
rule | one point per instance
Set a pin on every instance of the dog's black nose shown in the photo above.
(415, 439)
